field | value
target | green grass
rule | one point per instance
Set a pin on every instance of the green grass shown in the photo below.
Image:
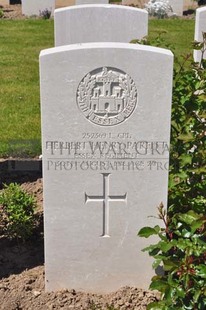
(179, 33)
(20, 44)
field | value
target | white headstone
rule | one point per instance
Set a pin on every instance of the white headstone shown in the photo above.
(177, 6)
(79, 2)
(36, 7)
(99, 23)
(105, 133)
(200, 27)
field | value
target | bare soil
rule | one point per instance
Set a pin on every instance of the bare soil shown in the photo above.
(12, 11)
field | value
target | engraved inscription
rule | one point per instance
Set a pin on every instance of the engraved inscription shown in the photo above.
(105, 199)
(105, 154)
(107, 96)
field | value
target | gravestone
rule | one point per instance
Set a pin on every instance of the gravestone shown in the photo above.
(177, 6)
(79, 2)
(200, 27)
(36, 7)
(105, 139)
(99, 23)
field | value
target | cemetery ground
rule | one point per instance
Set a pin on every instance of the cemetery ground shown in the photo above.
(22, 264)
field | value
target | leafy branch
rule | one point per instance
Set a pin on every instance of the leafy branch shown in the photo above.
(181, 249)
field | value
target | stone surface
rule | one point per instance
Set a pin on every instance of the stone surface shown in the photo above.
(36, 7)
(105, 134)
(200, 27)
(79, 2)
(177, 6)
(99, 23)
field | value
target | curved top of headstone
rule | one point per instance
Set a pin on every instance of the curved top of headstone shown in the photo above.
(99, 23)
(200, 28)
(108, 45)
(200, 10)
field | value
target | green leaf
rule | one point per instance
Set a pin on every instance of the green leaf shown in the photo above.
(169, 265)
(186, 137)
(156, 263)
(151, 247)
(196, 224)
(188, 217)
(180, 291)
(158, 284)
(197, 295)
(148, 231)
(185, 159)
(165, 246)
(201, 271)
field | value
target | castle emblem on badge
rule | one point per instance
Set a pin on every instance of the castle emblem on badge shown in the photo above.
(107, 96)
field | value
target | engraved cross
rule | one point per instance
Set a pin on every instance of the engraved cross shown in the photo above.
(105, 199)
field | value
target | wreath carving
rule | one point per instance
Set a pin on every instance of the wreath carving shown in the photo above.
(107, 96)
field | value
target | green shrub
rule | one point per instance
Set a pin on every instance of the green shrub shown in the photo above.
(181, 250)
(1, 13)
(16, 212)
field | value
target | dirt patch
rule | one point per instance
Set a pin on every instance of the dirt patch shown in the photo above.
(26, 291)
(12, 11)
(22, 273)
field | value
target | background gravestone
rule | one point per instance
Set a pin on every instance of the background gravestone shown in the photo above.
(80, 24)
(200, 27)
(36, 7)
(105, 139)
(177, 6)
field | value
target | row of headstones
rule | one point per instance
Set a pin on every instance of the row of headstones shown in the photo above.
(35, 7)
(106, 110)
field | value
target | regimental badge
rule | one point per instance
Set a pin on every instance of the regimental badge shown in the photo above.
(107, 96)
